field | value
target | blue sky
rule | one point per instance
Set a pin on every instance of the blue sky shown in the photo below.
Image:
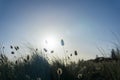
(83, 24)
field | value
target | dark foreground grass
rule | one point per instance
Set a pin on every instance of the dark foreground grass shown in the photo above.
(37, 67)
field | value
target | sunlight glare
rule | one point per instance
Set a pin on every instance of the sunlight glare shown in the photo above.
(50, 42)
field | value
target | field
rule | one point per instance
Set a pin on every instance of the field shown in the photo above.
(37, 67)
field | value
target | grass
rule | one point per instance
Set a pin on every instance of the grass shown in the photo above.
(37, 67)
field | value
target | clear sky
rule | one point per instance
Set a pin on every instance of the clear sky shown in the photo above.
(83, 24)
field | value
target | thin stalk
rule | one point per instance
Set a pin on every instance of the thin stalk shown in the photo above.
(58, 77)
(65, 58)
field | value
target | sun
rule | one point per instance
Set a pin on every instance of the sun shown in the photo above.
(50, 42)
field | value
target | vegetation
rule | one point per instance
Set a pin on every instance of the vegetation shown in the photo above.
(37, 67)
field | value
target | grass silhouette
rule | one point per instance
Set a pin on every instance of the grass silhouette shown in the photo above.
(37, 67)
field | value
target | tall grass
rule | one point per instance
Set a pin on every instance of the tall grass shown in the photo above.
(30, 68)
(37, 67)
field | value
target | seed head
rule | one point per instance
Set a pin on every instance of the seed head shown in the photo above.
(25, 60)
(11, 47)
(12, 52)
(36, 49)
(62, 42)
(52, 51)
(3, 47)
(59, 71)
(68, 57)
(17, 48)
(76, 53)
(16, 62)
(2, 56)
(79, 76)
(28, 57)
(45, 49)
